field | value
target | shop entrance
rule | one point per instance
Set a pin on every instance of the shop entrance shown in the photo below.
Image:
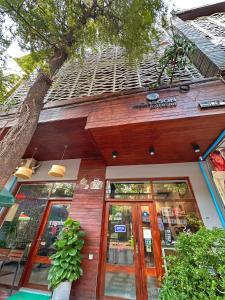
(37, 268)
(30, 227)
(132, 262)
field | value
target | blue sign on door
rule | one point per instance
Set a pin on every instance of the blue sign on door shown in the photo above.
(120, 228)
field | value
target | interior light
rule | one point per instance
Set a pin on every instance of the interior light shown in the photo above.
(196, 148)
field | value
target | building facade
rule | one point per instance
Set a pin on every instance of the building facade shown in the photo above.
(132, 177)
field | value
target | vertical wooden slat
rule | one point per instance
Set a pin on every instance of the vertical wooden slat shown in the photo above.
(87, 207)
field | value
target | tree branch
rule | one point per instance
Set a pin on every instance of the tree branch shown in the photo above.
(24, 20)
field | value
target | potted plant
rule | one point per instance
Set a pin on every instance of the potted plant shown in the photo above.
(66, 262)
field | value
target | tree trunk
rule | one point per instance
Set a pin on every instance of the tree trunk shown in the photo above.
(17, 139)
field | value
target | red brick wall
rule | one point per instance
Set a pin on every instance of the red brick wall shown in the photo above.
(87, 207)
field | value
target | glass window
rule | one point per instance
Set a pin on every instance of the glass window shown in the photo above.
(128, 190)
(21, 223)
(216, 167)
(33, 191)
(18, 231)
(171, 189)
(46, 190)
(62, 190)
(175, 205)
(39, 274)
(56, 219)
(147, 236)
(120, 284)
(153, 288)
(120, 242)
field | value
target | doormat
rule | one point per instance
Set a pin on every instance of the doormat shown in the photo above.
(28, 296)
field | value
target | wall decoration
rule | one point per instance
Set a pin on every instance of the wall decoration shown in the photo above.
(96, 184)
(83, 184)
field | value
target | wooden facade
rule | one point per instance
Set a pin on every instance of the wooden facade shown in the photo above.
(94, 125)
(87, 207)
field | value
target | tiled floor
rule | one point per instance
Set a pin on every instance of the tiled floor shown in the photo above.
(4, 293)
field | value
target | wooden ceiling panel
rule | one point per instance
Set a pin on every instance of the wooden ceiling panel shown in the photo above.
(172, 140)
(51, 137)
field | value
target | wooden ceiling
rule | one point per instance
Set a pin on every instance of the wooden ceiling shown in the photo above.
(51, 137)
(172, 140)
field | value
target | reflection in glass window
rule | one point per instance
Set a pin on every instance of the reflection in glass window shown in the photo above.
(120, 242)
(62, 190)
(46, 190)
(56, 219)
(34, 191)
(216, 168)
(173, 218)
(147, 236)
(128, 190)
(120, 285)
(18, 231)
(39, 274)
(178, 189)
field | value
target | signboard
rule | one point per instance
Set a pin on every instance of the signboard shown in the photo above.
(120, 228)
(161, 103)
(212, 103)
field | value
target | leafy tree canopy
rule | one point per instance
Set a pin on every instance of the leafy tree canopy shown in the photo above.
(44, 26)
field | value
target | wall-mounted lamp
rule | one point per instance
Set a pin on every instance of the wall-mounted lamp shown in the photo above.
(58, 170)
(114, 154)
(152, 151)
(26, 170)
(196, 148)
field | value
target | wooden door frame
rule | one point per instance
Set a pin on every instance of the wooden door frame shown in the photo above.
(157, 271)
(32, 257)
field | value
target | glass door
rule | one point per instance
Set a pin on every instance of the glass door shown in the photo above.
(132, 257)
(150, 256)
(39, 263)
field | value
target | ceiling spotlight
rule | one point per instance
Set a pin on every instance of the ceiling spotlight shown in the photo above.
(151, 151)
(196, 148)
(114, 154)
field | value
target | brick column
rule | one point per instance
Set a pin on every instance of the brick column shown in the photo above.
(87, 208)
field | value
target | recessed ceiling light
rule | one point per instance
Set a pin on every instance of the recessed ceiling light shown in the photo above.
(196, 148)
(152, 151)
(114, 154)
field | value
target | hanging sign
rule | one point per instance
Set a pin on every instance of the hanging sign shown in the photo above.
(120, 228)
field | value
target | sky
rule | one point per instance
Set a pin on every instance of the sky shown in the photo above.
(15, 51)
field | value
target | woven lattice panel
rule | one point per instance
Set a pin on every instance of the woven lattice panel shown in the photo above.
(213, 27)
(20, 92)
(109, 72)
(106, 72)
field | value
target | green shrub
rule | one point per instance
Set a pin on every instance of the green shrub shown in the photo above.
(197, 271)
(66, 262)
